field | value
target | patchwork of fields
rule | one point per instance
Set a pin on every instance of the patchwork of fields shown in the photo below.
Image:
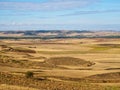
(60, 64)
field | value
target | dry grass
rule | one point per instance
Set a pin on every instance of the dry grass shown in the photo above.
(9, 81)
(12, 87)
(61, 59)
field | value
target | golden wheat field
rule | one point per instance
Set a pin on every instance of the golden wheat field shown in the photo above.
(60, 64)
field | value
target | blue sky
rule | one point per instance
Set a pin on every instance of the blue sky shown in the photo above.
(60, 14)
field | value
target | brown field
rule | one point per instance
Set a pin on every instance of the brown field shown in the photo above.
(60, 64)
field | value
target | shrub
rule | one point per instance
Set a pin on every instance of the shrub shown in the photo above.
(29, 74)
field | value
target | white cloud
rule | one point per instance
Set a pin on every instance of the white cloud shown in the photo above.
(49, 5)
(91, 12)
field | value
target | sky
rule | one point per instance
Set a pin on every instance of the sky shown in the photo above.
(59, 15)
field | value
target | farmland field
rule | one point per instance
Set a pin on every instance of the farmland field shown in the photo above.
(60, 64)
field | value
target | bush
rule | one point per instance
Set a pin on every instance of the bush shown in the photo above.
(29, 74)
